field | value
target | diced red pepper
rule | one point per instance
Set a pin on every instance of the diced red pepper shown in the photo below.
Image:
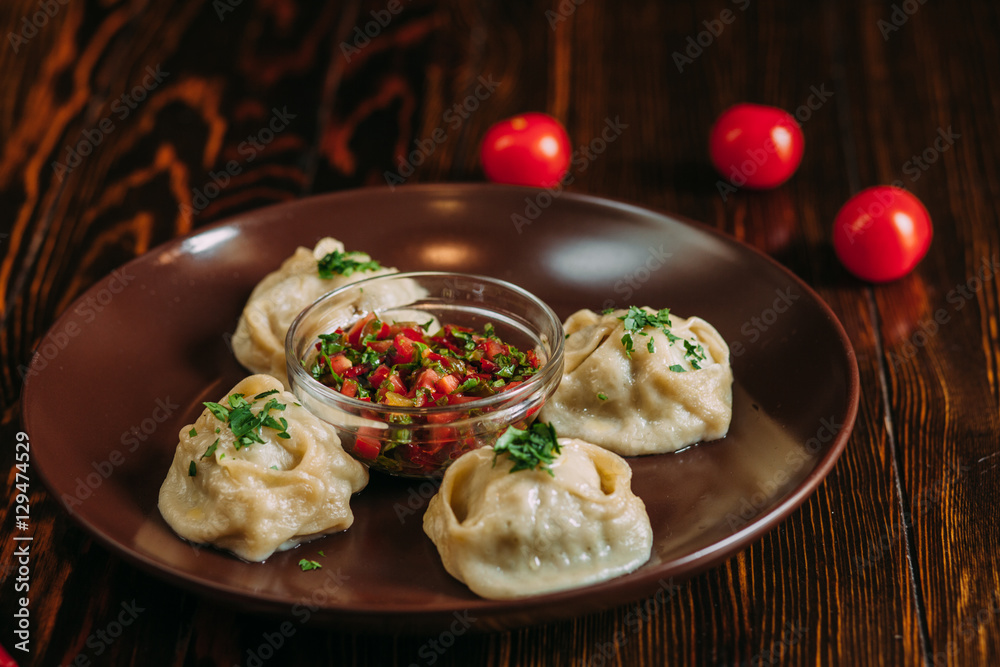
(447, 384)
(443, 417)
(427, 378)
(339, 363)
(379, 346)
(405, 352)
(367, 448)
(379, 375)
(350, 388)
(494, 348)
(354, 334)
(355, 371)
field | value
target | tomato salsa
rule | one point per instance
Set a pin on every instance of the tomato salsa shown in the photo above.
(402, 364)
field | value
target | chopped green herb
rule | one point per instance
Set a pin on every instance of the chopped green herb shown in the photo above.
(221, 412)
(426, 326)
(211, 449)
(637, 319)
(677, 368)
(601, 395)
(193, 432)
(695, 353)
(192, 469)
(322, 554)
(246, 425)
(307, 565)
(607, 311)
(344, 264)
(534, 447)
(274, 467)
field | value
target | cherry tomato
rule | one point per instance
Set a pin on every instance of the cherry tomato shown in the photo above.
(881, 233)
(528, 149)
(755, 145)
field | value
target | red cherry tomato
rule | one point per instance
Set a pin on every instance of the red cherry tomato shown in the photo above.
(881, 233)
(755, 145)
(528, 149)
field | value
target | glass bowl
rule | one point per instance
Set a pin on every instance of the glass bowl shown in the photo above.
(411, 441)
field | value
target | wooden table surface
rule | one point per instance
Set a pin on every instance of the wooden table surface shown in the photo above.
(892, 561)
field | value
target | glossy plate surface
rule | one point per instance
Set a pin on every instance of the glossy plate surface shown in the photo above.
(148, 344)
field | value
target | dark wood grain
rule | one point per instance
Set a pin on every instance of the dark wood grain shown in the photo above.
(890, 562)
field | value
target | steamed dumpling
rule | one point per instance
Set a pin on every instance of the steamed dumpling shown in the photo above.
(265, 496)
(259, 340)
(508, 535)
(649, 402)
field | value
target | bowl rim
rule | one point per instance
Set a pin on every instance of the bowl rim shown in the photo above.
(505, 400)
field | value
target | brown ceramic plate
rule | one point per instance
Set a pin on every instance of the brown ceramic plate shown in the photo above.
(146, 346)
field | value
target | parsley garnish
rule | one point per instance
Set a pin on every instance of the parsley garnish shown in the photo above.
(601, 395)
(677, 368)
(534, 447)
(307, 565)
(246, 425)
(636, 319)
(192, 469)
(211, 449)
(342, 263)
(193, 432)
(695, 353)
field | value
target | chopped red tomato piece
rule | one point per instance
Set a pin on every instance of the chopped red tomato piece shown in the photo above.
(367, 448)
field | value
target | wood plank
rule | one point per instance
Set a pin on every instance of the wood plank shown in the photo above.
(924, 111)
